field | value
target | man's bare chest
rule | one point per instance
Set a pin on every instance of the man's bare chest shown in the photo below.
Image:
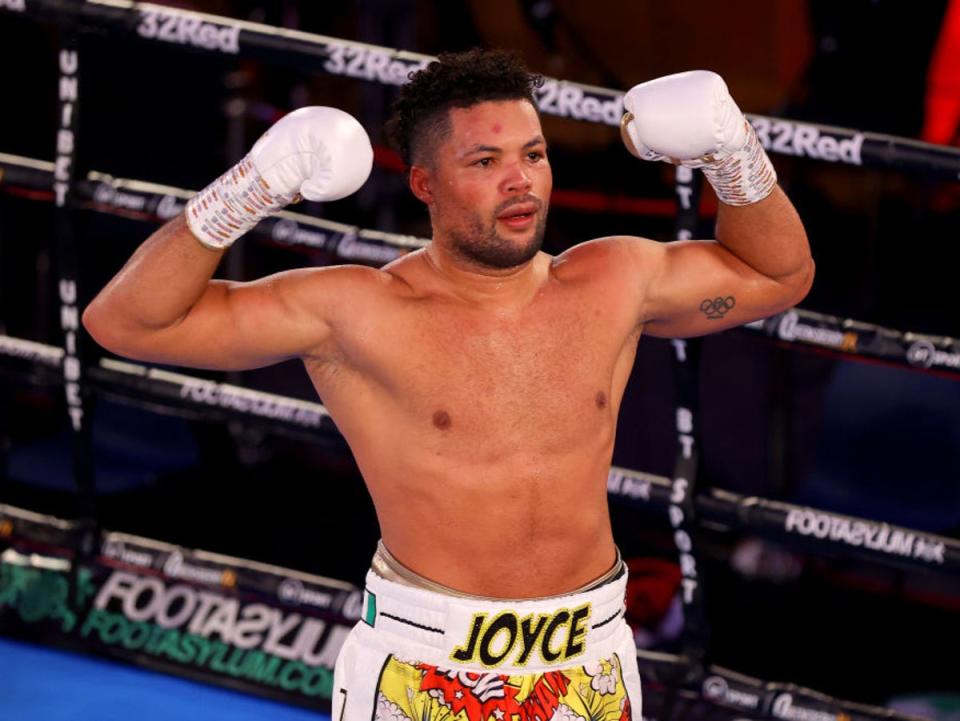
(489, 373)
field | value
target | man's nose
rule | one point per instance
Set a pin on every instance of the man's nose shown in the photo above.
(517, 179)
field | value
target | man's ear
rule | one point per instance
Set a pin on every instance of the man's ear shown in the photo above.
(420, 180)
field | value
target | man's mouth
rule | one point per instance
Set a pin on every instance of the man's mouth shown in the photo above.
(518, 216)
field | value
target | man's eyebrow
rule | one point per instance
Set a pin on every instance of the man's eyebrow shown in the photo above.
(538, 140)
(482, 149)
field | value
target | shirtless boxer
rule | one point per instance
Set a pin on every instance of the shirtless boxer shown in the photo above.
(478, 380)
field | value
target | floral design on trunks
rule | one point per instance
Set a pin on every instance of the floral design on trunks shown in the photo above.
(413, 691)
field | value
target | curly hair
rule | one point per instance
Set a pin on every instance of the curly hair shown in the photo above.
(454, 80)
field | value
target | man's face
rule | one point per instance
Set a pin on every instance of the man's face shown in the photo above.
(489, 184)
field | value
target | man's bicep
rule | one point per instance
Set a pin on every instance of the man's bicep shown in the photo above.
(699, 287)
(239, 326)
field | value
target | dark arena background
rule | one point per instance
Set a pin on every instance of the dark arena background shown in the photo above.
(787, 494)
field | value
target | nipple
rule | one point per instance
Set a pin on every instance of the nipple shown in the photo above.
(441, 419)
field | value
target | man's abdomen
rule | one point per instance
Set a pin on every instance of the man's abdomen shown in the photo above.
(507, 530)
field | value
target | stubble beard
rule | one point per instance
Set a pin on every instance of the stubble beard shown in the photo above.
(479, 243)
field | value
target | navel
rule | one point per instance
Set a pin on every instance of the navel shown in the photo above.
(601, 400)
(441, 419)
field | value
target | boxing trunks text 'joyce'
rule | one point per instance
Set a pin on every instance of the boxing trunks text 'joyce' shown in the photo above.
(423, 652)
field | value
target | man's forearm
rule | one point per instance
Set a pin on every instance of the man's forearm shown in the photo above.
(691, 120)
(768, 236)
(157, 287)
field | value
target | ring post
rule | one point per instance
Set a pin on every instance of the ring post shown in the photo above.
(78, 397)
(682, 512)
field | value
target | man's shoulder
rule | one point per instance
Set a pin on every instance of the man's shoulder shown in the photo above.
(601, 257)
(328, 287)
(391, 278)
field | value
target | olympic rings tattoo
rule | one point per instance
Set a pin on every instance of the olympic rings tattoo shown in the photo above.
(716, 308)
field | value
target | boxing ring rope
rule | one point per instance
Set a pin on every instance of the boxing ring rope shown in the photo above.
(202, 32)
(211, 33)
(194, 397)
(821, 531)
(800, 329)
(179, 393)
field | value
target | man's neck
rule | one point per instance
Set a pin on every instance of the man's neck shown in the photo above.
(474, 283)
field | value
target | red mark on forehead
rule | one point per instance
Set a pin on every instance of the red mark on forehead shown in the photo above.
(496, 127)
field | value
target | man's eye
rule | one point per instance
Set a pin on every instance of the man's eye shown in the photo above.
(535, 155)
(484, 162)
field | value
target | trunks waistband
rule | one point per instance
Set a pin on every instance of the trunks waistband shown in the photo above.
(509, 636)
(387, 566)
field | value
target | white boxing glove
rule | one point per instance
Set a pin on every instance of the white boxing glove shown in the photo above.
(691, 120)
(317, 152)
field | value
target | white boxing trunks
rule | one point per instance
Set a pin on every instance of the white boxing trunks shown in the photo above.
(419, 653)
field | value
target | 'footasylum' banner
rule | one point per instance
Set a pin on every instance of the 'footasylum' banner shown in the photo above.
(213, 618)
(276, 632)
